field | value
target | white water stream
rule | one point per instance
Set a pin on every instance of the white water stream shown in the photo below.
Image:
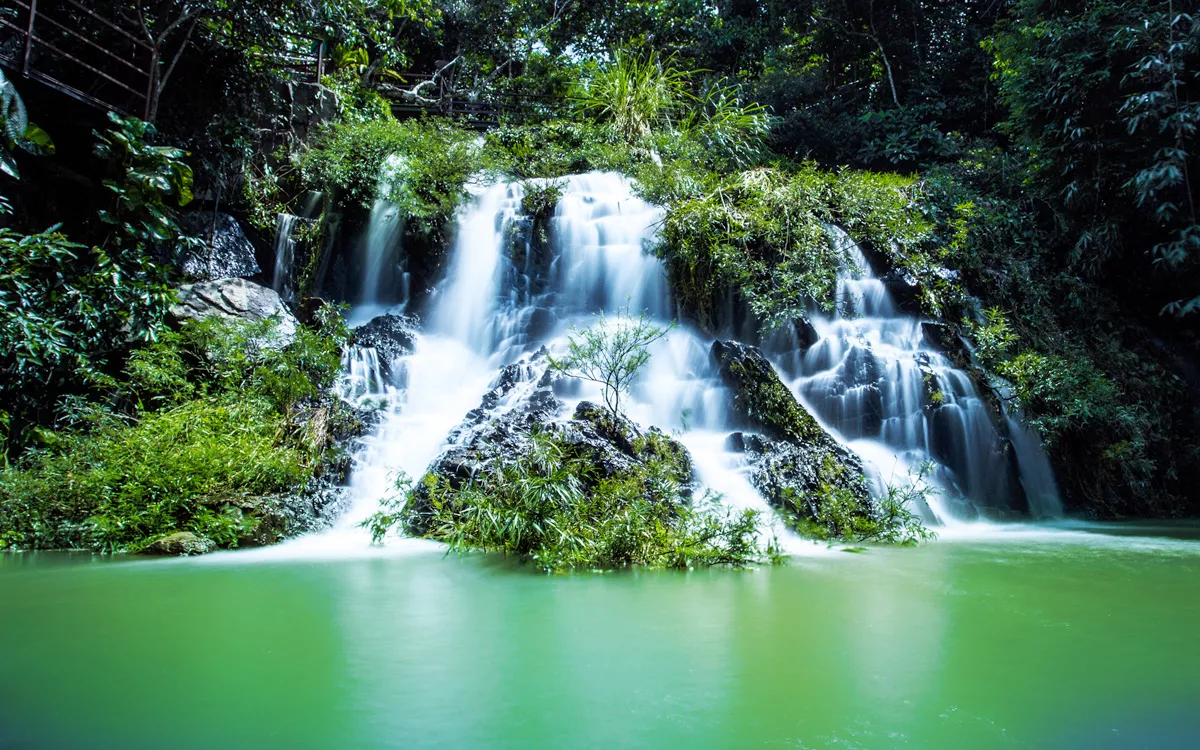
(865, 378)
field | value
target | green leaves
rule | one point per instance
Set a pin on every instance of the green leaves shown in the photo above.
(610, 353)
(547, 506)
(635, 92)
(145, 181)
(18, 131)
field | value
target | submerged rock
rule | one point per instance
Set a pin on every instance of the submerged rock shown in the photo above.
(226, 253)
(234, 299)
(180, 543)
(794, 462)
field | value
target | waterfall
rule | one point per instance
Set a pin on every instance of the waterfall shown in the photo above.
(285, 255)
(873, 379)
(869, 376)
(383, 278)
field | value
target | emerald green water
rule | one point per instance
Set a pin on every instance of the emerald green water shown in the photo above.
(1018, 640)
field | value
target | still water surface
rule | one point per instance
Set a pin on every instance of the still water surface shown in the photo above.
(1017, 639)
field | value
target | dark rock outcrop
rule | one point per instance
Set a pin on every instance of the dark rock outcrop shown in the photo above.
(226, 251)
(390, 335)
(794, 462)
(760, 399)
(522, 403)
(234, 299)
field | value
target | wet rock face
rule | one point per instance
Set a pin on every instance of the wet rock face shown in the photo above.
(234, 299)
(390, 335)
(760, 399)
(797, 477)
(793, 461)
(226, 252)
(523, 402)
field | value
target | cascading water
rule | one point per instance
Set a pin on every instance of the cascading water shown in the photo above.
(285, 254)
(495, 305)
(873, 379)
(868, 376)
(384, 279)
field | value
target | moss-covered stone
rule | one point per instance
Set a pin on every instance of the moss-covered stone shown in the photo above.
(798, 467)
(760, 398)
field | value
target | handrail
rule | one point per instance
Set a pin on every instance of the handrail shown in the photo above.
(90, 43)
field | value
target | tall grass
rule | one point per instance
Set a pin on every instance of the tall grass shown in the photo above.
(636, 92)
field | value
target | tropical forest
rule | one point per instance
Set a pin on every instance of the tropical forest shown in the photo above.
(579, 374)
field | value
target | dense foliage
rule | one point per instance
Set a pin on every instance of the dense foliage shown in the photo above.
(202, 422)
(1027, 165)
(548, 506)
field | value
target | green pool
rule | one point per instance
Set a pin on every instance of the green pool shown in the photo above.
(1085, 638)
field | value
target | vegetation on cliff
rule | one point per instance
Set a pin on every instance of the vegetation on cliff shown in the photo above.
(206, 427)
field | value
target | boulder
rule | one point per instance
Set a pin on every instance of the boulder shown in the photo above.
(226, 252)
(234, 299)
(392, 336)
(798, 478)
(180, 543)
(793, 461)
(905, 289)
(760, 400)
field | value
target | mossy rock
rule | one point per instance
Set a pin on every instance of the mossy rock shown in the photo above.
(760, 399)
(798, 467)
(181, 543)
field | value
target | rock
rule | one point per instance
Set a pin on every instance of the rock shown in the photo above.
(945, 339)
(760, 399)
(234, 299)
(794, 463)
(805, 334)
(309, 311)
(390, 335)
(523, 402)
(227, 251)
(905, 290)
(180, 543)
(797, 477)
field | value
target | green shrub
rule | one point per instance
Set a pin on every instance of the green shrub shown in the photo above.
(424, 164)
(840, 516)
(212, 424)
(761, 232)
(547, 507)
(611, 355)
(119, 486)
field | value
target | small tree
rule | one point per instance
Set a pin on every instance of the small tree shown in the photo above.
(610, 354)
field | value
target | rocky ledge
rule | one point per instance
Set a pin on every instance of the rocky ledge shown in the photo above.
(794, 462)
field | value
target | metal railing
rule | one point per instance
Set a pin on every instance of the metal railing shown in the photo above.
(78, 52)
(485, 109)
(71, 48)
